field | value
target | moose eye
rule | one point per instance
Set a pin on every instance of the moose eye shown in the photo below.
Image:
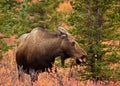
(73, 43)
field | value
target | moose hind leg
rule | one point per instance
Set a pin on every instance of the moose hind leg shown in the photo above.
(33, 75)
(20, 73)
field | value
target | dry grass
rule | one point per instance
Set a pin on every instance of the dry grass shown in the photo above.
(64, 76)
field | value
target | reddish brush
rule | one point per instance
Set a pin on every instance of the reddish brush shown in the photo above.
(63, 77)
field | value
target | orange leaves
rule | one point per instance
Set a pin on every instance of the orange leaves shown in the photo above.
(63, 77)
(10, 41)
(65, 7)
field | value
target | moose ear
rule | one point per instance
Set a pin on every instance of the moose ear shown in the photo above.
(61, 32)
(63, 35)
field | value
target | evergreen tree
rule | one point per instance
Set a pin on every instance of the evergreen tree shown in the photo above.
(45, 13)
(16, 17)
(12, 21)
(7, 21)
(94, 22)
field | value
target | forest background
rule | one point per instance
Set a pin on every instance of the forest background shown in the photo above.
(94, 23)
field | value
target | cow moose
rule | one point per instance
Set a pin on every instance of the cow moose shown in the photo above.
(38, 49)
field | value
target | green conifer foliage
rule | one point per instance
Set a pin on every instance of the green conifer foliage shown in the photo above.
(45, 13)
(95, 22)
(15, 17)
(7, 21)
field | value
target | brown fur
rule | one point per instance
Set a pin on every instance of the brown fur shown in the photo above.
(40, 47)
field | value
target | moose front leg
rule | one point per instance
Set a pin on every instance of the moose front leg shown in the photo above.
(63, 61)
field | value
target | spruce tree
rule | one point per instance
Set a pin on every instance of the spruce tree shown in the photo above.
(45, 13)
(95, 22)
(7, 21)
(16, 17)
(12, 21)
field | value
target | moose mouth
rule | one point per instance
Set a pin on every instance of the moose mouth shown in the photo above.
(81, 60)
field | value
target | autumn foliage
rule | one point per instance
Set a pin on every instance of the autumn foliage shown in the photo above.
(70, 76)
